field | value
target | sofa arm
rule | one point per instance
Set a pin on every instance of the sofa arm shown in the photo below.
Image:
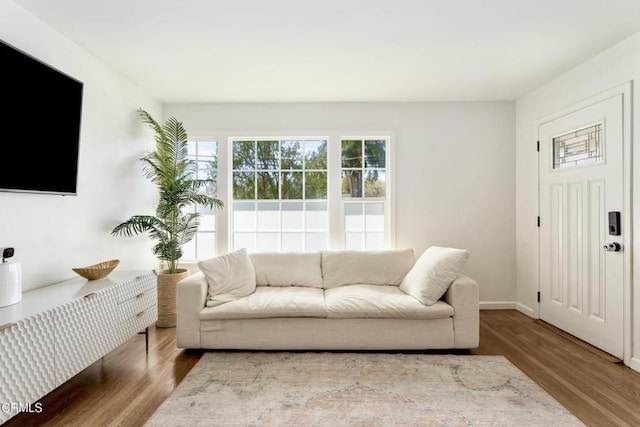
(191, 295)
(463, 295)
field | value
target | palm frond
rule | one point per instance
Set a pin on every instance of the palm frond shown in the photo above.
(146, 118)
(206, 201)
(138, 224)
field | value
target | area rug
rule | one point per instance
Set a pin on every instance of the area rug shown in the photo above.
(357, 389)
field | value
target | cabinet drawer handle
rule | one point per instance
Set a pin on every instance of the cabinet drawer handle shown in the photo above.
(140, 295)
(7, 326)
(140, 314)
(92, 294)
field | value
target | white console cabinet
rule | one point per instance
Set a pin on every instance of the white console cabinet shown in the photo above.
(59, 330)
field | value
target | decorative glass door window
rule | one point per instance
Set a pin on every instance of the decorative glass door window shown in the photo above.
(582, 147)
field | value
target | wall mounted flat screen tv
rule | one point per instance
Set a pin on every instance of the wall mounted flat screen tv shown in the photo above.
(40, 122)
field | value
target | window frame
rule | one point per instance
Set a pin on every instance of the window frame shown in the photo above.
(336, 215)
(389, 199)
(216, 231)
(229, 174)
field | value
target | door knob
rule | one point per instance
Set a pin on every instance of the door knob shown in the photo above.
(612, 247)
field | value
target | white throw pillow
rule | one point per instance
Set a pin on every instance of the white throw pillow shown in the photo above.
(433, 272)
(229, 277)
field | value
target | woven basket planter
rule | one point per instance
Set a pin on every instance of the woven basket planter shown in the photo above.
(167, 296)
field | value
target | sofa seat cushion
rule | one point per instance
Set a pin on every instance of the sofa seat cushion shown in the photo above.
(383, 267)
(287, 268)
(375, 301)
(269, 301)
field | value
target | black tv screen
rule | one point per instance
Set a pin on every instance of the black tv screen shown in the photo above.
(40, 122)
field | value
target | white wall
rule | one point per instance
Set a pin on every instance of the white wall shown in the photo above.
(615, 66)
(454, 163)
(51, 234)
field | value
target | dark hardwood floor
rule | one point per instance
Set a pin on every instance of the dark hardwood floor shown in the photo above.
(126, 386)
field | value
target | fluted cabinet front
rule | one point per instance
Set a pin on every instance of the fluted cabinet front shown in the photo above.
(84, 332)
(138, 304)
(26, 362)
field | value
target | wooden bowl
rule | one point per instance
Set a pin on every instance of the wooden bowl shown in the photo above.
(97, 271)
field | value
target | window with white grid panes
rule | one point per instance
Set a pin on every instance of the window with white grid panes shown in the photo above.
(364, 192)
(279, 192)
(203, 245)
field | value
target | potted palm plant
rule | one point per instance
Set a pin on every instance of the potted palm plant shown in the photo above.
(169, 167)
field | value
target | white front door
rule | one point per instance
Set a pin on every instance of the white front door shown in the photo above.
(581, 182)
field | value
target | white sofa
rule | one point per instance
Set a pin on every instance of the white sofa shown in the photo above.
(329, 300)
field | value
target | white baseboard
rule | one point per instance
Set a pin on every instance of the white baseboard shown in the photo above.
(634, 364)
(497, 305)
(508, 305)
(526, 310)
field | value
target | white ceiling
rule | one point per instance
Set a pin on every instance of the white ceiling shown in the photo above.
(340, 50)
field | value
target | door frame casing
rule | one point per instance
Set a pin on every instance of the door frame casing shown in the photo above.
(625, 90)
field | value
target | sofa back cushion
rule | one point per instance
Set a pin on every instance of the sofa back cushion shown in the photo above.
(287, 269)
(385, 267)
